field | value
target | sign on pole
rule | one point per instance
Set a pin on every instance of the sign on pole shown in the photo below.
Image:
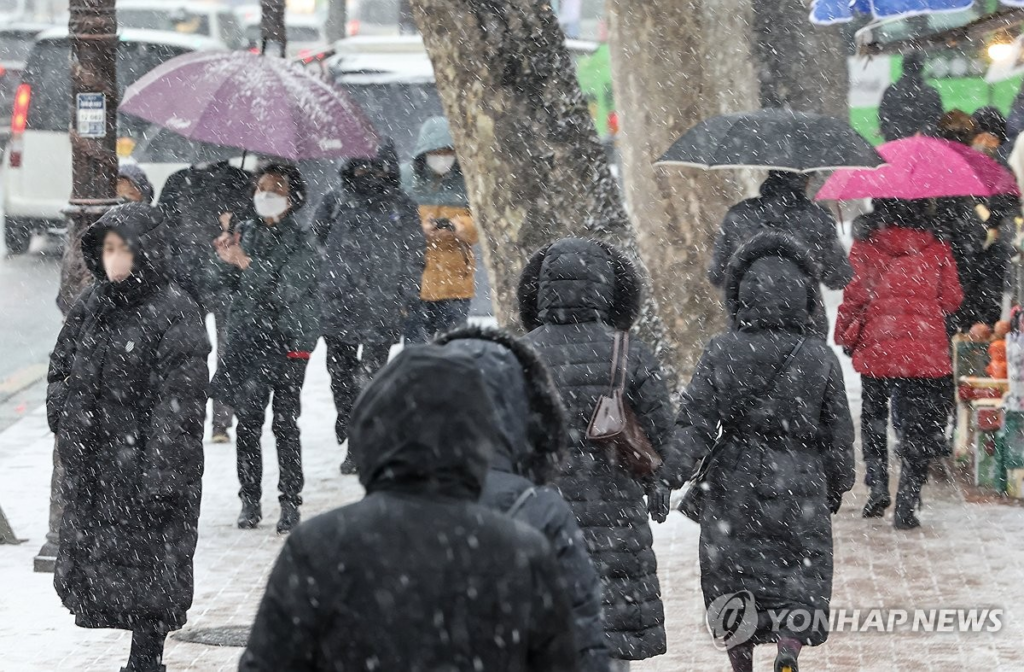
(92, 115)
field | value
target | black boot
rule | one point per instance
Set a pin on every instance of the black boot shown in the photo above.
(348, 467)
(908, 497)
(290, 517)
(878, 502)
(251, 515)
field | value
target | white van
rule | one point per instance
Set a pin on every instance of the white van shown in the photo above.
(37, 161)
(203, 19)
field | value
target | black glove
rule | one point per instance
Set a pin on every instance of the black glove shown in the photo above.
(658, 495)
(835, 501)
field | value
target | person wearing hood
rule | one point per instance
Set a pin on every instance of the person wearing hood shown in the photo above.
(270, 266)
(785, 456)
(417, 576)
(573, 296)
(783, 206)
(534, 436)
(200, 203)
(893, 323)
(435, 183)
(133, 185)
(372, 248)
(909, 106)
(126, 400)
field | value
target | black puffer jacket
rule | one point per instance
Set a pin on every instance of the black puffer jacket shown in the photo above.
(534, 432)
(417, 576)
(126, 399)
(373, 251)
(910, 105)
(788, 451)
(783, 207)
(572, 296)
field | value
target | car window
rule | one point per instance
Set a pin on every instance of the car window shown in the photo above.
(16, 46)
(397, 110)
(159, 145)
(49, 74)
(231, 32)
(173, 20)
(304, 34)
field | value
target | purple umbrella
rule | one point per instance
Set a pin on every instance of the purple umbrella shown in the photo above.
(256, 103)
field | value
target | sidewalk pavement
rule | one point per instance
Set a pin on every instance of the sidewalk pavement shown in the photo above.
(966, 555)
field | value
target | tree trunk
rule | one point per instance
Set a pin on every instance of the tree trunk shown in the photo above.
(535, 169)
(673, 64)
(801, 65)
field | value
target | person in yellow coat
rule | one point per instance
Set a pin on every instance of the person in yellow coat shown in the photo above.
(433, 180)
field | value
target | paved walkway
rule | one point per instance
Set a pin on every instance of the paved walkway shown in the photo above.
(966, 555)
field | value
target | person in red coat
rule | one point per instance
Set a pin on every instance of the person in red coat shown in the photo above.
(892, 322)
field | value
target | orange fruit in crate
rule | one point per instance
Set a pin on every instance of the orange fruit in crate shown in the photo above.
(980, 332)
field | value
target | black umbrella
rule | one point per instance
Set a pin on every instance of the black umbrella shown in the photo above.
(776, 139)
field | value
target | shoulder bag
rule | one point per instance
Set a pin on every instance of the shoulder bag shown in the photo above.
(615, 425)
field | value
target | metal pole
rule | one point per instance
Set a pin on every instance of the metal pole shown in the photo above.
(274, 36)
(94, 98)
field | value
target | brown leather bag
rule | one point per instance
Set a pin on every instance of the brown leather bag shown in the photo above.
(614, 424)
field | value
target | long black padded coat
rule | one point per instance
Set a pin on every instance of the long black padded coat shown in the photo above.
(534, 432)
(417, 576)
(127, 399)
(573, 295)
(787, 456)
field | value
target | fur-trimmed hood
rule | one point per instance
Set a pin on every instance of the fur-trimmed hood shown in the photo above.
(574, 281)
(531, 417)
(771, 283)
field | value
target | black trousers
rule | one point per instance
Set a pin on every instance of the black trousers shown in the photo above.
(287, 406)
(350, 373)
(922, 406)
(431, 318)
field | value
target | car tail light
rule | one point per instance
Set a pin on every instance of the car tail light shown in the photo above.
(354, 27)
(3, 71)
(19, 121)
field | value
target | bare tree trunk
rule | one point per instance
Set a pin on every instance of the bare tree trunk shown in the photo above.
(535, 169)
(800, 65)
(673, 64)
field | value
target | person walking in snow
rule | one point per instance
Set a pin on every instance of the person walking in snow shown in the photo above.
(534, 437)
(372, 247)
(417, 575)
(126, 400)
(893, 323)
(783, 206)
(785, 454)
(434, 181)
(573, 296)
(270, 266)
(910, 106)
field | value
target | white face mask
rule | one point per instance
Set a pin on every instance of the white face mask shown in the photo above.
(270, 205)
(441, 163)
(118, 266)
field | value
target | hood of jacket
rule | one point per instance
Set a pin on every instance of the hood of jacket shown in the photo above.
(386, 161)
(900, 241)
(434, 135)
(141, 227)
(134, 173)
(424, 185)
(771, 283)
(531, 417)
(425, 426)
(574, 281)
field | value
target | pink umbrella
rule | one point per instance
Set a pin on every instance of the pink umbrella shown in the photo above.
(922, 167)
(256, 103)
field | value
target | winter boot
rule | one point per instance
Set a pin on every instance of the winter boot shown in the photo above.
(290, 517)
(785, 661)
(906, 513)
(878, 502)
(220, 436)
(348, 467)
(251, 515)
(132, 668)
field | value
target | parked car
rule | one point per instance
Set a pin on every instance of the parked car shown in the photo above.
(16, 41)
(37, 161)
(206, 19)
